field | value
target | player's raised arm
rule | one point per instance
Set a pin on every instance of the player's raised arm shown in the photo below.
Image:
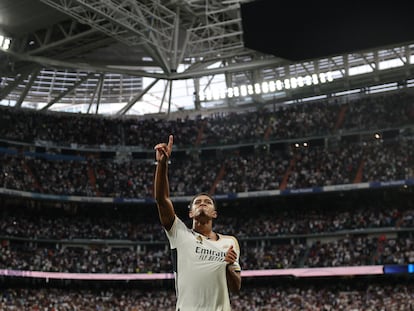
(161, 184)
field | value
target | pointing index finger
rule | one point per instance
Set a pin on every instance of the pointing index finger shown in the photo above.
(170, 141)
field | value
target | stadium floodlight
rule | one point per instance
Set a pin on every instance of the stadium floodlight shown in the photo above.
(265, 87)
(300, 81)
(272, 86)
(269, 86)
(216, 94)
(230, 93)
(286, 83)
(308, 80)
(243, 90)
(257, 89)
(315, 79)
(236, 91)
(279, 85)
(209, 96)
(250, 89)
(4, 42)
(293, 83)
(329, 76)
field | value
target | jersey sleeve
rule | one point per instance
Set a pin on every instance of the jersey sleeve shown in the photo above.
(176, 232)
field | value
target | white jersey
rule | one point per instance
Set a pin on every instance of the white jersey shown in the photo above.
(200, 269)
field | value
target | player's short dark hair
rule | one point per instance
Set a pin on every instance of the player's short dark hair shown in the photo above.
(206, 194)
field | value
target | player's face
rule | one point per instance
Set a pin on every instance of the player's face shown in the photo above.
(203, 206)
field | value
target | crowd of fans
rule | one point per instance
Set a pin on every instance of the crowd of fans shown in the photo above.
(319, 118)
(267, 167)
(276, 219)
(313, 166)
(17, 299)
(349, 250)
(367, 296)
(83, 259)
(371, 232)
(131, 240)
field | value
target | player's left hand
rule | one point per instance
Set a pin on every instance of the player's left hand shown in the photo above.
(231, 255)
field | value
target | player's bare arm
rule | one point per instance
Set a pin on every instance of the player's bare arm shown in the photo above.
(161, 184)
(232, 272)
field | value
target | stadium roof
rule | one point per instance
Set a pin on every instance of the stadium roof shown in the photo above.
(153, 56)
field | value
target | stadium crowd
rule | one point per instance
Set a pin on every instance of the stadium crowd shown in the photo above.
(367, 296)
(137, 225)
(313, 166)
(350, 250)
(130, 240)
(262, 166)
(320, 118)
(335, 147)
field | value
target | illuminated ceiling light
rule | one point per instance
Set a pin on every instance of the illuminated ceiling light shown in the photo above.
(300, 81)
(272, 86)
(265, 87)
(243, 90)
(357, 70)
(216, 94)
(329, 76)
(209, 96)
(322, 77)
(305, 144)
(4, 42)
(222, 94)
(315, 79)
(236, 91)
(279, 85)
(293, 83)
(297, 145)
(377, 136)
(250, 89)
(230, 92)
(257, 89)
(287, 83)
(308, 80)
(391, 63)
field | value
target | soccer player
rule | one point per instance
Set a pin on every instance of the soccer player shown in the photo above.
(206, 263)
